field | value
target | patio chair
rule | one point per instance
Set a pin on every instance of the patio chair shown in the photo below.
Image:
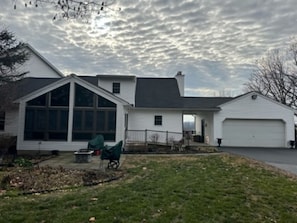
(113, 154)
(96, 144)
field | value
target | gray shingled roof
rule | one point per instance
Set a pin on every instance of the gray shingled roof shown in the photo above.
(30, 84)
(91, 79)
(204, 103)
(164, 93)
(157, 93)
(150, 93)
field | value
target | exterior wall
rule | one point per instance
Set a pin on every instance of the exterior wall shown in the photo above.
(68, 145)
(172, 121)
(144, 119)
(198, 125)
(11, 123)
(208, 127)
(128, 86)
(38, 68)
(259, 108)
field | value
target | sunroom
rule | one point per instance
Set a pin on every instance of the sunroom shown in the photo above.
(66, 115)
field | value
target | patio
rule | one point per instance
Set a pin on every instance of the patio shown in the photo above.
(67, 160)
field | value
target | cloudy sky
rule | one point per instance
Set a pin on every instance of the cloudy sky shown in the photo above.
(215, 43)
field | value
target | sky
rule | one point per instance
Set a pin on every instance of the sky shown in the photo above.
(215, 43)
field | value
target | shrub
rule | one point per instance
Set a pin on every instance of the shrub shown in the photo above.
(22, 162)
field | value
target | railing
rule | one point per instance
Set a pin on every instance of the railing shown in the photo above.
(152, 136)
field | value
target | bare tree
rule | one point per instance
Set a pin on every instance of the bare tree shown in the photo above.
(276, 76)
(73, 9)
(13, 55)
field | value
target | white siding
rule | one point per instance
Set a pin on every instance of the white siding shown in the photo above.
(208, 126)
(261, 108)
(144, 119)
(11, 122)
(128, 86)
(38, 68)
(172, 121)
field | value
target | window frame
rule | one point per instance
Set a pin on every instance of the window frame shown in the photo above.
(158, 120)
(116, 87)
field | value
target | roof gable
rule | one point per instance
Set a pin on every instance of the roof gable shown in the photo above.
(255, 95)
(50, 67)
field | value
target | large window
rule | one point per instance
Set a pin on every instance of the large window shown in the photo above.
(47, 116)
(83, 97)
(2, 120)
(60, 96)
(93, 115)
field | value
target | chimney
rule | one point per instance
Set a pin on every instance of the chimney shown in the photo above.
(180, 78)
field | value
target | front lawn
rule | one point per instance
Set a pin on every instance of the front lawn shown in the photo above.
(213, 188)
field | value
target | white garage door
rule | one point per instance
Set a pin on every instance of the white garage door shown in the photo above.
(253, 133)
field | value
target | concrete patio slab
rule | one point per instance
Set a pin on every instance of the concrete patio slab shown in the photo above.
(67, 160)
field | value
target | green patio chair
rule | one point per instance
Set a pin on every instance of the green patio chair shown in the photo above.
(97, 143)
(113, 154)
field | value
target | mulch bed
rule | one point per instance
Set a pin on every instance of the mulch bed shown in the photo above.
(45, 179)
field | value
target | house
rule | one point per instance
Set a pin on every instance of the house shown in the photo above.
(57, 112)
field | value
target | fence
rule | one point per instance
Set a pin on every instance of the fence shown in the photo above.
(152, 136)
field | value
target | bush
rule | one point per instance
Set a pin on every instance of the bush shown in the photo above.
(22, 162)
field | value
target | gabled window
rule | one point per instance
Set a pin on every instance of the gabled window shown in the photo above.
(60, 96)
(2, 120)
(158, 119)
(47, 116)
(83, 97)
(93, 115)
(39, 101)
(116, 88)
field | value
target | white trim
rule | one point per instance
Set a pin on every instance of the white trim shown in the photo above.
(70, 112)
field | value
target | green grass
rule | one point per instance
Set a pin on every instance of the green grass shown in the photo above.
(215, 188)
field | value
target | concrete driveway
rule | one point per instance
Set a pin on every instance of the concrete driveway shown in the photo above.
(282, 158)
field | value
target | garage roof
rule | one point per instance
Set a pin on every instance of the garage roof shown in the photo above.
(204, 103)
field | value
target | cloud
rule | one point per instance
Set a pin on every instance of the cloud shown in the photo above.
(215, 43)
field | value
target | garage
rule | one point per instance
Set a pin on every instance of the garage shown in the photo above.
(253, 133)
